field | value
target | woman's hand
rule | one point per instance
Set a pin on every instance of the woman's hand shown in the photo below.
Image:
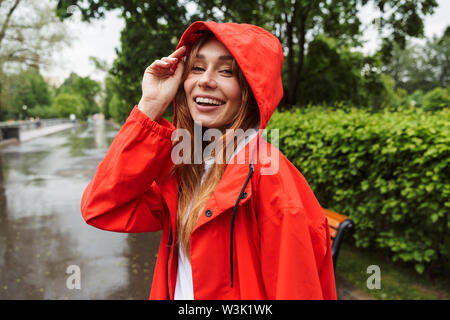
(160, 84)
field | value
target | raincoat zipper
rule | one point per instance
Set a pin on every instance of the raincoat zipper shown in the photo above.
(167, 264)
(241, 196)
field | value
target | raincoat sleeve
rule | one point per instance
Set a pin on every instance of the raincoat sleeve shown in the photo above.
(295, 243)
(124, 195)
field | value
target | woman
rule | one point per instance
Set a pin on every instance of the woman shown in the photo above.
(248, 229)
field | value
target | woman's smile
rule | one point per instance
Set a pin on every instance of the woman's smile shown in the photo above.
(212, 90)
(205, 103)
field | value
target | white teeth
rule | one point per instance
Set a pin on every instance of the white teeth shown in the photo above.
(208, 101)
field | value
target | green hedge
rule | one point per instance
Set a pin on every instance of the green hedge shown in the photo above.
(388, 171)
(436, 99)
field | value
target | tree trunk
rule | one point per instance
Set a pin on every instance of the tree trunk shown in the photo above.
(1, 105)
(290, 63)
(295, 77)
(6, 22)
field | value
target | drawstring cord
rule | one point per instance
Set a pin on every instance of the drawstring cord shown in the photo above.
(252, 169)
(167, 262)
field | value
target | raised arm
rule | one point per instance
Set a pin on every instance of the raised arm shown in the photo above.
(123, 196)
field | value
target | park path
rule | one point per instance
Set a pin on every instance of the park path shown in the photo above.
(42, 232)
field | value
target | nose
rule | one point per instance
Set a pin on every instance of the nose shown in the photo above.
(207, 80)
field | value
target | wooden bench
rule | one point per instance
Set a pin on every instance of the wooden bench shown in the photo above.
(339, 225)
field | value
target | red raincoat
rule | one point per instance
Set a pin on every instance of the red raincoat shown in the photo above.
(263, 235)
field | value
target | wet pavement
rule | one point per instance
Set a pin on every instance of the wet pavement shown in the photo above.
(42, 231)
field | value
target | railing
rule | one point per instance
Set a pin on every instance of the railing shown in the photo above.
(33, 124)
(11, 129)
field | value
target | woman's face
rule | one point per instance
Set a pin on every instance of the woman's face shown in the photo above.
(212, 91)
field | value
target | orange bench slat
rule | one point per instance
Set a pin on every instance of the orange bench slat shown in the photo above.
(334, 220)
(335, 216)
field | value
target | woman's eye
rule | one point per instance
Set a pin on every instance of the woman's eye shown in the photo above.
(228, 71)
(197, 69)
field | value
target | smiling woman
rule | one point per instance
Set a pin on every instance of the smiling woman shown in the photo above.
(212, 87)
(230, 230)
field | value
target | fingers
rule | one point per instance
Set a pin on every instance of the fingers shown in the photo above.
(178, 69)
(178, 53)
(162, 63)
(169, 63)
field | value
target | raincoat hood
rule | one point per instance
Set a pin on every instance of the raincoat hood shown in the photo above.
(258, 54)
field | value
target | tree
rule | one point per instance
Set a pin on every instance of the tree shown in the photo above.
(436, 99)
(151, 31)
(31, 91)
(29, 31)
(333, 73)
(25, 88)
(67, 103)
(108, 86)
(421, 67)
(435, 60)
(85, 88)
(117, 108)
(297, 22)
(153, 28)
(403, 64)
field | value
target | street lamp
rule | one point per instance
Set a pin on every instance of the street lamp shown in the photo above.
(24, 107)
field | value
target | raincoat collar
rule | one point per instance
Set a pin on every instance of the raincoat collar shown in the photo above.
(227, 191)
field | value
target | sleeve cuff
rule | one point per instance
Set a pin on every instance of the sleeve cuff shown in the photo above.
(162, 127)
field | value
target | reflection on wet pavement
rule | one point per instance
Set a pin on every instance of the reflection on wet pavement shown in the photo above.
(42, 231)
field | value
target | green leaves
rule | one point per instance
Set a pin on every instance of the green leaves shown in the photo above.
(26, 88)
(388, 171)
(419, 268)
(319, 39)
(152, 30)
(65, 104)
(436, 99)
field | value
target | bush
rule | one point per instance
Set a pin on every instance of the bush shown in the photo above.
(67, 103)
(390, 98)
(417, 97)
(43, 112)
(404, 101)
(388, 171)
(118, 109)
(436, 99)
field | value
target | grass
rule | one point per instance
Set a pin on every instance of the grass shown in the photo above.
(397, 282)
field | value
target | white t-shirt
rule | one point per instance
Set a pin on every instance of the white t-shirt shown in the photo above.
(184, 289)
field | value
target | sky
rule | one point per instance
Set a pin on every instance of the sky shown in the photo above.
(100, 38)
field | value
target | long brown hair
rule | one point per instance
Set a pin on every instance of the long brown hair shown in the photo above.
(191, 190)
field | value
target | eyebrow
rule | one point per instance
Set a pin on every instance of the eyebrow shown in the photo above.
(200, 56)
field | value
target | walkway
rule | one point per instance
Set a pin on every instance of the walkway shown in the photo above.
(348, 291)
(31, 134)
(28, 135)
